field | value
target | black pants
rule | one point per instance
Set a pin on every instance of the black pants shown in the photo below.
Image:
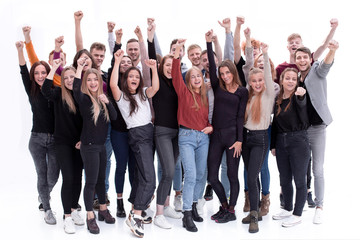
(292, 157)
(255, 147)
(94, 159)
(71, 167)
(220, 141)
(141, 143)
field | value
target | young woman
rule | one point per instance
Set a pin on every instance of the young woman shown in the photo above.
(96, 111)
(257, 120)
(166, 130)
(193, 119)
(228, 121)
(68, 125)
(134, 106)
(41, 144)
(290, 144)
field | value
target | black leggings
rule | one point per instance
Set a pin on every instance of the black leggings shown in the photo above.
(94, 159)
(220, 141)
(71, 167)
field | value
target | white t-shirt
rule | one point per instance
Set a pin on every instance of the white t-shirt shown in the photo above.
(141, 117)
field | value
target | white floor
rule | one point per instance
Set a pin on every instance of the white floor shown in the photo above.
(21, 217)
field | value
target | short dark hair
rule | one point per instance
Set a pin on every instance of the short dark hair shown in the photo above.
(303, 49)
(174, 42)
(98, 46)
(132, 40)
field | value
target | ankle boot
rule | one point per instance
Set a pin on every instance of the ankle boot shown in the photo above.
(105, 215)
(188, 222)
(92, 226)
(247, 219)
(253, 227)
(195, 214)
(264, 205)
(247, 202)
(120, 211)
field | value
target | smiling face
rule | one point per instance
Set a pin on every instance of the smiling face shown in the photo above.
(69, 76)
(194, 56)
(289, 81)
(40, 74)
(98, 56)
(125, 64)
(133, 50)
(294, 44)
(302, 61)
(167, 67)
(133, 81)
(88, 63)
(92, 83)
(257, 82)
(196, 80)
(260, 62)
(226, 75)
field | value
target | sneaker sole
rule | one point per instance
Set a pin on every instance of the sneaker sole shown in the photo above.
(133, 230)
(290, 225)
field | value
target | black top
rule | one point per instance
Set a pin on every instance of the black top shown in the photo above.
(294, 119)
(165, 101)
(119, 123)
(43, 109)
(229, 108)
(91, 133)
(68, 125)
(239, 67)
(314, 118)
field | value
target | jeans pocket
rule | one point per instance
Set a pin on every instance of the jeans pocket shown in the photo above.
(184, 132)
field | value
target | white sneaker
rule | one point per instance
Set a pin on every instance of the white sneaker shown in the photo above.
(178, 203)
(171, 213)
(318, 216)
(161, 222)
(200, 206)
(135, 224)
(69, 226)
(49, 217)
(291, 221)
(78, 220)
(281, 215)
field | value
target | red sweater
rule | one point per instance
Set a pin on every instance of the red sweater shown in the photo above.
(187, 115)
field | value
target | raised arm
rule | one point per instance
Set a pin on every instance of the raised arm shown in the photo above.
(333, 24)
(29, 46)
(78, 35)
(151, 44)
(46, 89)
(143, 56)
(59, 41)
(151, 24)
(212, 66)
(111, 39)
(176, 75)
(20, 49)
(151, 91)
(114, 79)
(249, 55)
(270, 90)
(333, 46)
(237, 55)
(229, 39)
(218, 50)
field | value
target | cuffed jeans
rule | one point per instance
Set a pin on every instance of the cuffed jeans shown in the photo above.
(292, 157)
(193, 147)
(42, 149)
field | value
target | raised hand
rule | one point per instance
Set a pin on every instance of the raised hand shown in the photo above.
(110, 26)
(300, 91)
(81, 63)
(209, 35)
(78, 15)
(226, 23)
(56, 63)
(151, 29)
(264, 47)
(26, 31)
(151, 63)
(103, 98)
(247, 33)
(119, 34)
(118, 55)
(334, 23)
(19, 45)
(59, 41)
(333, 45)
(240, 20)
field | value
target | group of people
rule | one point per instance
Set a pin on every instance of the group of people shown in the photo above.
(196, 120)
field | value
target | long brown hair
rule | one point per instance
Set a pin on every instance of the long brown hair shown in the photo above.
(203, 91)
(256, 106)
(127, 95)
(66, 96)
(35, 88)
(98, 105)
(232, 68)
(280, 96)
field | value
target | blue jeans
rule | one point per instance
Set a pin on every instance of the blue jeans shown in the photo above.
(42, 149)
(193, 147)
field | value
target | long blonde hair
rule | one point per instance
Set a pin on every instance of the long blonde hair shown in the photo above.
(256, 106)
(203, 91)
(66, 96)
(97, 105)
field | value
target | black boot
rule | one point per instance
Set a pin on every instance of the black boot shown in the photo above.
(120, 212)
(195, 214)
(188, 222)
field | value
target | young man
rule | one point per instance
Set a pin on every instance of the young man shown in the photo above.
(313, 79)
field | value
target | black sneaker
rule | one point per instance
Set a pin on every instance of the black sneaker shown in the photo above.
(282, 203)
(227, 216)
(41, 207)
(218, 214)
(311, 203)
(208, 193)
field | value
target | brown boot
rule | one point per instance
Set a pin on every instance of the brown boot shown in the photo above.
(247, 202)
(253, 227)
(247, 219)
(105, 215)
(265, 204)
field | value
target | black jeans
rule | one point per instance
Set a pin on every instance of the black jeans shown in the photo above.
(255, 147)
(94, 159)
(141, 143)
(292, 157)
(220, 141)
(71, 167)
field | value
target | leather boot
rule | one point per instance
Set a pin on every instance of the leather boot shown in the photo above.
(247, 202)
(105, 215)
(195, 214)
(247, 219)
(92, 226)
(188, 222)
(120, 211)
(265, 204)
(253, 227)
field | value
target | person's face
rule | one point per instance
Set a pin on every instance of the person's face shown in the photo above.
(69, 79)
(194, 56)
(302, 61)
(257, 82)
(40, 74)
(294, 44)
(167, 67)
(133, 50)
(289, 81)
(133, 81)
(98, 56)
(172, 51)
(205, 62)
(260, 63)
(92, 83)
(196, 80)
(62, 58)
(88, 63)
(125, 64)
(226, 75)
